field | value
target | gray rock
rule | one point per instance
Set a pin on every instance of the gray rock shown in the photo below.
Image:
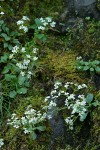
(82, 3)
(80, 8)
(57, 126)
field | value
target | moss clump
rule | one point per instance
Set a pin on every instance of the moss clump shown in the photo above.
(96, 122)
(60, 65)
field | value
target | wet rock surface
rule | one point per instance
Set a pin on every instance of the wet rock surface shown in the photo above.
(58, 132)
(78, 8)
(96, 80)
(73, 11)
(58, 128)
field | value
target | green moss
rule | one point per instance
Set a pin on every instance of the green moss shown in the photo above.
(60, 65)
(96, 125)
(15, 139)
(39, 9)
(11, 138)
(98, 4)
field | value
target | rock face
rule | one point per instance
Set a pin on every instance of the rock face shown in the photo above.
(85, 8)
(81, 3)
(58, 132)
(58, 127)
(96, 80)
(80, 8)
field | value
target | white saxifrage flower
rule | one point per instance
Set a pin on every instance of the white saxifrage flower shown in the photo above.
(51, 104)
(1, 142)
(45, 23)
(29, 74)
(48, 19)
(41, 28)
(35, 58)
(28, 56)
(23, 49)
(25, 18)
(84, 85)
(78, 58)
(42, 20)
(26, 131)
(11, 56)
(53, 24)
(35, 50)
(23, 28)
(15, 49)
(79, 87)
(2, 13)
(71, 96)
(20, 22)
(19, 65)
(22, 73)
(57, 85)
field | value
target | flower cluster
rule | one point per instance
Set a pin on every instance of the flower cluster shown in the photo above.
(74, 99)
(2, 13)
(46, 22)
(29, 121)
(1, 143)
(26, 59)
(14, 121)
(21, 23)
(78, 58)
